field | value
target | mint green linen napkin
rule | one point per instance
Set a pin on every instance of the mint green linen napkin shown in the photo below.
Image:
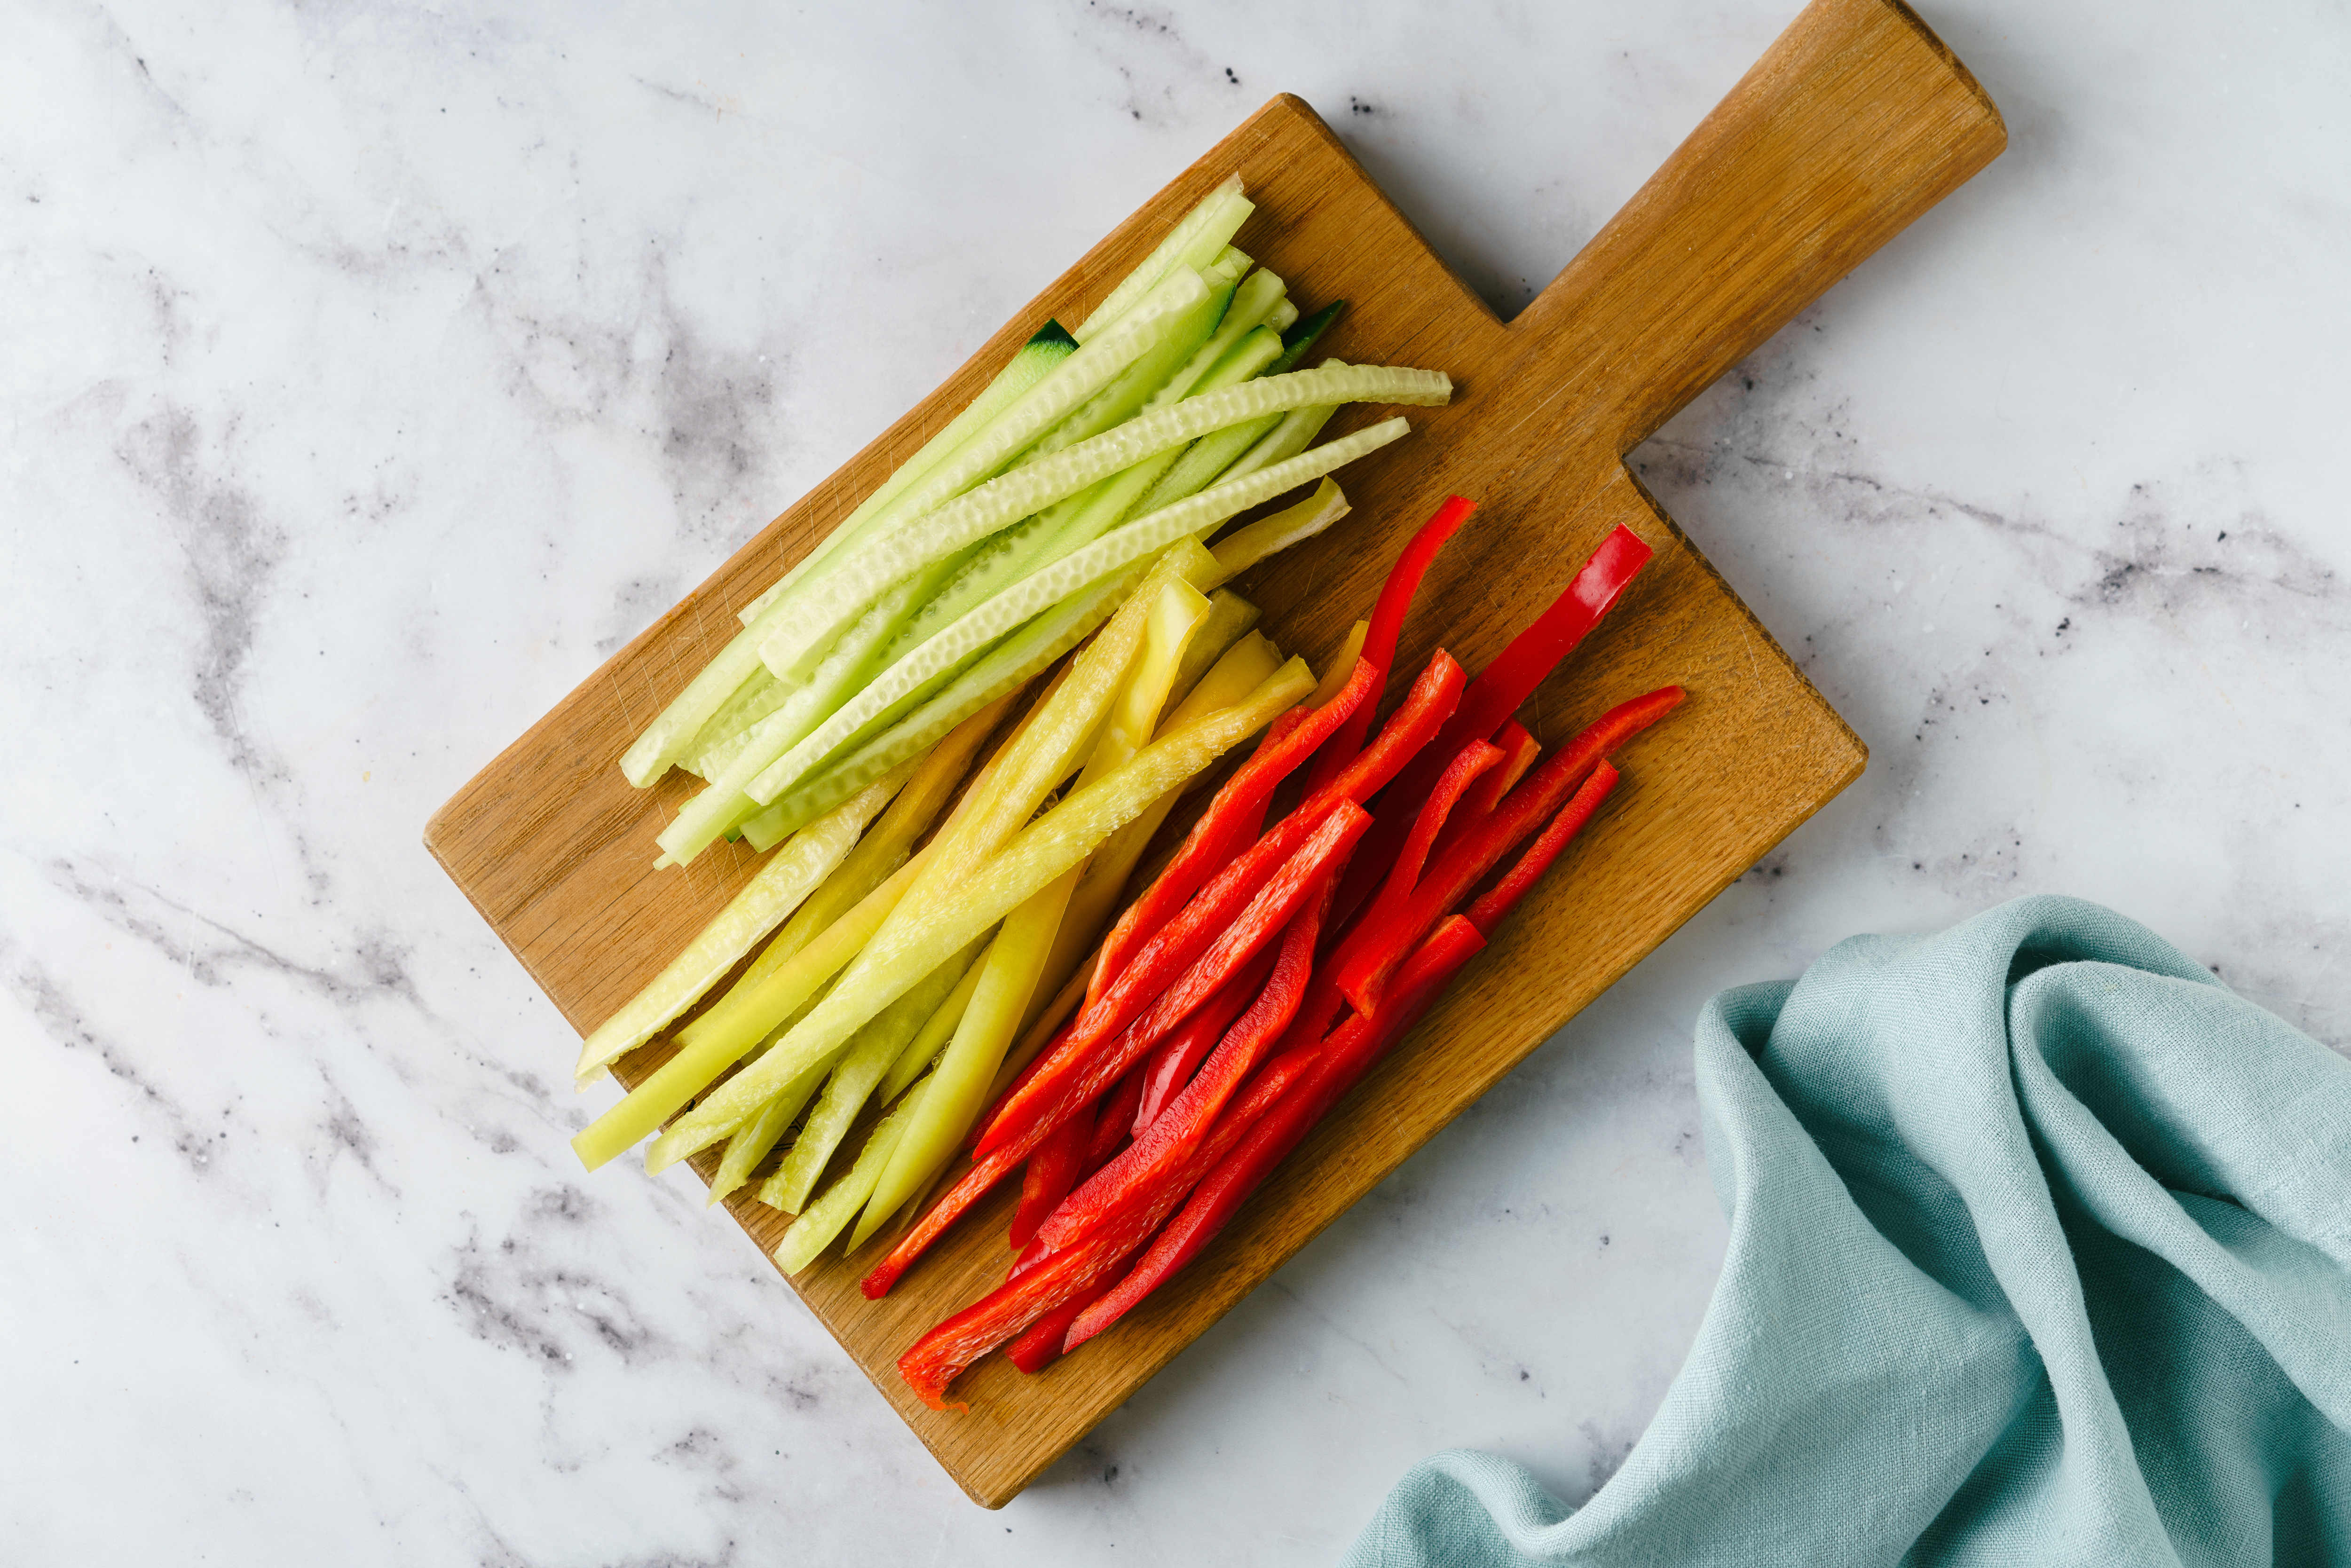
(2039, 1253)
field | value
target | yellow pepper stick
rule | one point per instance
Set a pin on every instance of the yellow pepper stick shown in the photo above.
(873, 1053)
(917, 1058)
(912, 947)
(794, 872)
(824, 1219)
(959, 1084)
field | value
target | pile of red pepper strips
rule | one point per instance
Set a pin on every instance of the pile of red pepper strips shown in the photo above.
(1206, 1048)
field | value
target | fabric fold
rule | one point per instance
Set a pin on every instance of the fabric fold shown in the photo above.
(2040, 1252)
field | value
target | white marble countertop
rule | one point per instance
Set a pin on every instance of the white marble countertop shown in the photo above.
(372, 373)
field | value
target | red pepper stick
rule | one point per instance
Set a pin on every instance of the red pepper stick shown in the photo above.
(1343, 1060)
(1504, 686)
(1263, 1092)
(1111, 1126)
(1039, 1344)
(1491, 909)
(1046, 1281)
(1173, 1138)
(1519, 750)
(1386, 625)
(1475, 759)
(973, 1185)
(940, 1356)
(1232, 820)
(1180, 1054)
(1052, 1172)
(1374, 949)
(1157, 996)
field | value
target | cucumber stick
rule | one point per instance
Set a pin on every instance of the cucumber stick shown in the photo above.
(774, 892)
(1017, 962)
(940, 924)
(1205, 229)
(752, 1139)
(1037, 359)
(829, 604)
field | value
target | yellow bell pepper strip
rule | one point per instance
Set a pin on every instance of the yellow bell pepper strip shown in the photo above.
(876, 1049)
(825, 1218)
(1016, 963)
(902, 953)
(924, 1053)
(789, 877)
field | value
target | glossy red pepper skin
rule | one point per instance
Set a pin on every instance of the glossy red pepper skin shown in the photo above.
(1052, 1172)
(1519, 750)
(1473, 760)
(1227, 1185)
(1112, 1124)
(1176, 1135)
(1503, 686)
(1156, 1202)
(1155, 995)
(940, 1356)
(1039, 1344)
(1232, 821)
(1386, 624)
(1374, 949)
(1179, 1056)
(1492, 907)
(952, 1204)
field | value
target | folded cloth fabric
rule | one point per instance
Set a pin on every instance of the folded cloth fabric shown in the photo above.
(2039, 1253)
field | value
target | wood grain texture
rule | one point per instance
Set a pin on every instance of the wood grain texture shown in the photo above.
(1856, 122)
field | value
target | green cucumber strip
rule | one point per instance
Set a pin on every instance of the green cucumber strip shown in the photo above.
(720, 738)
(1016, 426)
(1123, 398)
(830, 1215)
(1008, 664)
(850, 663)
(773, 893)
(1282, 315)
(1219, 213)
(1037, 359)
(876, 1049)
(829, 603)
(1286, 440)
(1033, 595)
(1216, 456)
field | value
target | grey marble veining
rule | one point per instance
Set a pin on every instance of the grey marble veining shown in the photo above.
(369, 373)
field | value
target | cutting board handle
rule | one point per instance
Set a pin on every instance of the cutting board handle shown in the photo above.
(1855, 121)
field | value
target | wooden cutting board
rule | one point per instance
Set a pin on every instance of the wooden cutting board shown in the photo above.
(1855, 122)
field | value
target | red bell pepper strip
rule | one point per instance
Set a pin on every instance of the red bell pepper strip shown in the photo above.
(941, 1354)
(1113, 1124)
(973, 1185)
(1180, 1054)
(1039, 1344)
(1503, 686)
(1158, 1200)
(1474, 760)
(1494, 907)
(1233, 820)
(1052, 1172)
(1386, 625)
(1374, 949)
(1344, 1058)
(1155, 995)
(1519, 750)
(1174, 1137)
